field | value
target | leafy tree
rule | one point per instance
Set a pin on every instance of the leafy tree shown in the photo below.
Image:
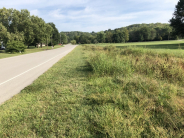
(101, 37)
(73, 42)
(152, 34)
(55, 35)
(3, 33)
(141, 37)
(116, 38)
(76, 38)
(17, 36)
(26, 26)
(39, 29)
(126, 34)
(83, 39)
(109, 37)
(177, 21)
(48, 32)
(15, 47)
(146, 32)
(63, 38)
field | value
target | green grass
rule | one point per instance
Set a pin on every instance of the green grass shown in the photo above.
(173, 47)
(150, 43)
(29, 50)
(101, 92)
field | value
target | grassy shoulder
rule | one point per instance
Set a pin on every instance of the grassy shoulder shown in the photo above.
(101, 92)
(31, 49)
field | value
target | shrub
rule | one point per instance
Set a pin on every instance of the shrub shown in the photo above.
(15, 47)
(73, 42)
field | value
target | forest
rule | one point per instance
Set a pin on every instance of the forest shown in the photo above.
(132, 33)
(20, 26)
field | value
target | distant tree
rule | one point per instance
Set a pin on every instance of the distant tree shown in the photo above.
(116, 38)
(177, 21)
(73, 42)
(39, 26)
(76, 38)
(146, 32)
(126, 34)
(141, 37)
(55, 34)
(109, 37)
(64, 39)
(101, 37)
(152, 34)
(48, 33)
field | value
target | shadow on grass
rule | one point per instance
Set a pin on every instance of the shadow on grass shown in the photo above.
(85, 68)
(160, 46)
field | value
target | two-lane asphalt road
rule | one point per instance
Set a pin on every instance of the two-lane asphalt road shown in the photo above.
(18, 72)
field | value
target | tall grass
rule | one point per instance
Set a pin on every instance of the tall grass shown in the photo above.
(147, 102)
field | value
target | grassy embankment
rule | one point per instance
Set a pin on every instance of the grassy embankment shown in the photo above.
(101, 92)
(29, 50)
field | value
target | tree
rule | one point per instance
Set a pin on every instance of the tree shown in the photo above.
(73, 42)
(15, 47)
(64, 39)
(126, 34)
(109, 36)
(101, 37)
(168, 31)
(116, 38)
(177, 21)
(55, 35)
(3, 33)
(83, 39)
(146, 32)
(39, 26)
(26, 26)
(48, 33)
(76, 38)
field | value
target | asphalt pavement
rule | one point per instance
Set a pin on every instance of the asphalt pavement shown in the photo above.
(20, 71)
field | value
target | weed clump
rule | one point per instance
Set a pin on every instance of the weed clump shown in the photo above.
(103, 64)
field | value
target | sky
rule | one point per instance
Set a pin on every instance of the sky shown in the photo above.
(96, 15)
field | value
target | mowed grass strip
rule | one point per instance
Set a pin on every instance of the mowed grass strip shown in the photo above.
(52, 106)
(31, 49)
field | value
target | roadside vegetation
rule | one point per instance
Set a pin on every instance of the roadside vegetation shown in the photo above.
(101, 92)
(29, 50)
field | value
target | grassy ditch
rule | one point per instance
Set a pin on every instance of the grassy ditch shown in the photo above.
(31, 49)
(101, 92)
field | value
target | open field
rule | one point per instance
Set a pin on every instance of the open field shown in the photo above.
(29, 50)
(171, 44)
(101, 92)
(173, 47)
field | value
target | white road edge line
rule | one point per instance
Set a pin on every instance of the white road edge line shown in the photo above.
(33, 68)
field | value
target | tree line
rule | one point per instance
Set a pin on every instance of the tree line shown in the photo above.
(132, 33)
(20, 26)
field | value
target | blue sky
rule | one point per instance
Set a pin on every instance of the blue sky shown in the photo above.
(96, 15)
